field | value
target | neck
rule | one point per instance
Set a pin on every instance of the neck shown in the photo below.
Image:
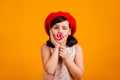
(63, 44)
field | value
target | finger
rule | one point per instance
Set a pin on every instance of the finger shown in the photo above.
(53, 39)
(51, 35)
(61, 52)
(62, 47)
(61, 55)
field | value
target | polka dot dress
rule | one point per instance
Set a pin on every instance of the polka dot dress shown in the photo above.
(62, 73)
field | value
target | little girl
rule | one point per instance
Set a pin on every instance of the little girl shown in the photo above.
(62, 57)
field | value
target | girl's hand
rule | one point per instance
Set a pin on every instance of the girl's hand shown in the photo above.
(53, 40)
(63, 53)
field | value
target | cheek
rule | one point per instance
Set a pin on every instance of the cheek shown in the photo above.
(54, 32)
(65, 34)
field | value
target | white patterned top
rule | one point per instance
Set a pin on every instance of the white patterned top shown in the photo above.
(62, 72)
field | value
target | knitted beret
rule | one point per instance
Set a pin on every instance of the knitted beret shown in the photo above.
(53, 15)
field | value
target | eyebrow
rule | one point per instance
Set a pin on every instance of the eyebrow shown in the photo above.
(62, 26)
(56, 25)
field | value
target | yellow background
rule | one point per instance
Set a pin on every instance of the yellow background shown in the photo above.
(22, 34)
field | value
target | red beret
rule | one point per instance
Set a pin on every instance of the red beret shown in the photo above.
(53, 15)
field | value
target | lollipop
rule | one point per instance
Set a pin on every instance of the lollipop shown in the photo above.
(59, 36)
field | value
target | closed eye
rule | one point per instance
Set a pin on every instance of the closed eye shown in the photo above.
(64, 27)
(56, 27)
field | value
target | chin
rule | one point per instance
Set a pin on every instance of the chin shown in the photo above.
(61, 41)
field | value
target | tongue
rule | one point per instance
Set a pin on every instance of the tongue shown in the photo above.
(59, 36)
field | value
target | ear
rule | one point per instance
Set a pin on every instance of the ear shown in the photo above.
(69, 32)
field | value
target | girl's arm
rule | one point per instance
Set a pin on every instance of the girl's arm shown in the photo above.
(50, 60)
(76, 67)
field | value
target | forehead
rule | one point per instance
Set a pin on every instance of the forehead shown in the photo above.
(63, 23)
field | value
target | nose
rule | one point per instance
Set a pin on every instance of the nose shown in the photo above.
(60, 30)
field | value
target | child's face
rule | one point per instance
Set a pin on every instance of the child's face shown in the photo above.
(61, 31)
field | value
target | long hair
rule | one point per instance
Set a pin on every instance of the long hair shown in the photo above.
(71, 40)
